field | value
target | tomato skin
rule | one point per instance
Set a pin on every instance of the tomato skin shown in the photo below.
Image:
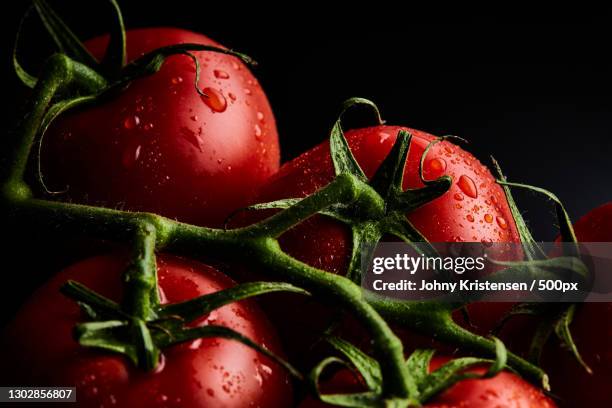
(504, 390)
(206, 372)
(158, 146)
(455, 216)
(591, 329)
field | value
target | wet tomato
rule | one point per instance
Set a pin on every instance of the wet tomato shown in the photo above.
(159, 146)
(210, 372)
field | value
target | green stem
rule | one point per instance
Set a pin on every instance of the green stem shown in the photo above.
(142, 295)
(59, 73)
(434, 318)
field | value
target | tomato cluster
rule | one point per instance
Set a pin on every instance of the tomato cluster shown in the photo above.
(160, 146)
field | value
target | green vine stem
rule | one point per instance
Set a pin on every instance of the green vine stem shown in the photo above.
(254, 241)
(429, 317)
(58, 74)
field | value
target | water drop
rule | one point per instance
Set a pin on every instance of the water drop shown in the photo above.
(148, 126)
(214, 99)
(488, 218)
(383, 136)
(231, 96)
(470, 218)
(130, 157)
(194, 118)
(467, 185)
(260, 116)
(177, 80)
(220, 74)
(247, 91)
(501, 221)
(458, 196)
(436, 167)
(131, 122)
(210, 392)
(257, 131)
(191, 137)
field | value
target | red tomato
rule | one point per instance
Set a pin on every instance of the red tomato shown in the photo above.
(211, 372)
(159, 146)
(474, 209)
(591, 329)
(504, 390)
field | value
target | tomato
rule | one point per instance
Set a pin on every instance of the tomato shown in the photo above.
(591, 329)
(474, 209)
(159, 146)
(504, 390)
(596, 225)
(210, 372)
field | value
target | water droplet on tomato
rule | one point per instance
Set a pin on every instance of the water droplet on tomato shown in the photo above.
(260, 116)
(488, 218)
(470, 218)
(229, 168)
(501, 221)
(267, 370)
(448, 150)
(148, 126)
(191, 137)
(458, 206)
(194, 118)
(258, 131)
(220, 74)
(130, 156)
(458, 196)
(466, 184)
(131, 122)
(494, 200)
(231, 96)
(162, 398)
(214, 99)
(140, 108)
(195, 344)
(435, 167)
(383, 136)
(161, 365)
(210, 392)
(247, 91)
(235, 65)
(176, 80)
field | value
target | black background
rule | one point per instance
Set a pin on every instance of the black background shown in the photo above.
(537, 94)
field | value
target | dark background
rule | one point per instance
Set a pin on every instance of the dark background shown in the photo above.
(535, 94)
